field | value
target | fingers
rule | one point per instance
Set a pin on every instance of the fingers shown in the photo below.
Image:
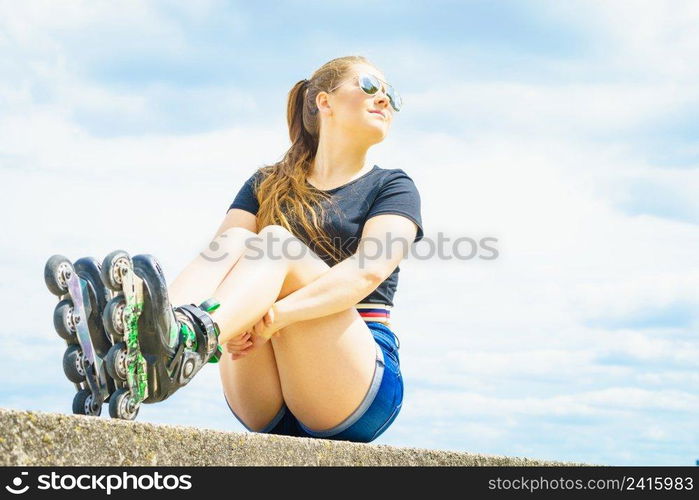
(242, 348)
(238, 347)
(239, 344)
(243, 338)
(239, 339)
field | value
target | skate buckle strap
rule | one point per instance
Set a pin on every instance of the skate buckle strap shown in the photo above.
(210, 305)
(210, 327)
(194, 345)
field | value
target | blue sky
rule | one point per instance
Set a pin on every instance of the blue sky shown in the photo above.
(565, 129)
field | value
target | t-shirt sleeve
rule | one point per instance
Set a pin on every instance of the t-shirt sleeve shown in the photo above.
(399, 195)
(246, 198)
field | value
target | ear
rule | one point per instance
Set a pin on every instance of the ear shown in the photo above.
(323, 103)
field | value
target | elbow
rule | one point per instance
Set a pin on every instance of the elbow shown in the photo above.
(370, 271)
(373, 277)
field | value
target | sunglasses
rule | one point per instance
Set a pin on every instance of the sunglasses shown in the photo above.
(371, 85)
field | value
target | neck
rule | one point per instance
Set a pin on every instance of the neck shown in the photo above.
(338, 159)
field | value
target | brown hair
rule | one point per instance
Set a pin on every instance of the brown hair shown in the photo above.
(285, 197)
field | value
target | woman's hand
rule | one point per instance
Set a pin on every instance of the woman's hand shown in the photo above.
(270, 324)
(238, 345)
(266, 327)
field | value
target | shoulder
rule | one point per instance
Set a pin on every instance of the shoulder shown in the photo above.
(259, 174)
(391, 173)
(392, 177)
(254, 180)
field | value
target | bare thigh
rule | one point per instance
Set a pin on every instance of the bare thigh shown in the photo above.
(321, 368)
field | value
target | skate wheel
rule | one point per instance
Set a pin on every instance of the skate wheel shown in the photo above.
(116, 361)
(63, 320)
(121, 405)
(57, 272)
(113, 317)
(113, 268)
(73, 364)
(85, 404)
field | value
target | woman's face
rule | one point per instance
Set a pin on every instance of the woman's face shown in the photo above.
(350, 109)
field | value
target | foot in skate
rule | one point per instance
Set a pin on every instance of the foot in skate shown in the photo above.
(161, 348)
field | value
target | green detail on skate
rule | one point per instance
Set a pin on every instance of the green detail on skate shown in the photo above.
(136, 374)
(216, 356)
(210, 305)
(135, 362)
(188, 337)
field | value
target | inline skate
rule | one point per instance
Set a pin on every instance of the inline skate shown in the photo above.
(157, 348)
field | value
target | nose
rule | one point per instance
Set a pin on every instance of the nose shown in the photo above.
(382, 98)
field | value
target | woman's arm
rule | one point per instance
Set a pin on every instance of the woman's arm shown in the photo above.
(349, 281)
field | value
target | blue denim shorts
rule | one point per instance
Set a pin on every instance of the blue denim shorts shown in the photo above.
(376, 412)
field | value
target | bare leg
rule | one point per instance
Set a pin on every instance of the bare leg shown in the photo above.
(198, 282)
(255, 282)
(328, 362)
(324, 365)
(200, 279)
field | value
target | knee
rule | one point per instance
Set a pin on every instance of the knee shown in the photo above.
(232, 238)
(275, 230)
(237, 232)
(279, 242)
(278, 238)
(227, 244)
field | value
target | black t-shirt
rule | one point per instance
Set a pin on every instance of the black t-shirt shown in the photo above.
(379, 191)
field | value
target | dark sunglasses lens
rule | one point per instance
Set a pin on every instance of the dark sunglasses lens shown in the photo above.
(394, 97)
(369, 84)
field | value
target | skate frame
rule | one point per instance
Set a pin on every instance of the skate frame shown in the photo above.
(96, 379)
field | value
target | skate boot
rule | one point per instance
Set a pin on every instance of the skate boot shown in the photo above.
(77, 318)
(157, 348)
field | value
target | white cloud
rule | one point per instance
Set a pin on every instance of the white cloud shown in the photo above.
(657, 37)
(606, 402)
(560, 109)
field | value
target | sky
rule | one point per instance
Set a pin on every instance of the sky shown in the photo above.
(565, 130)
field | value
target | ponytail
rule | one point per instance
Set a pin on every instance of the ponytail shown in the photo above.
(284, 195)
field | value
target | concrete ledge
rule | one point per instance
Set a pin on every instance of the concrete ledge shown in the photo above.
(49, 439)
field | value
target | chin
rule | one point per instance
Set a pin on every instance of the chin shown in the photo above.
(377, 132)
(369, 133)
(376, 136)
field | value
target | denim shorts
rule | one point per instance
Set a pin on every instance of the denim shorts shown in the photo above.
(375, 413)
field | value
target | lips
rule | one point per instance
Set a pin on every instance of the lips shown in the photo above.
(378, 113)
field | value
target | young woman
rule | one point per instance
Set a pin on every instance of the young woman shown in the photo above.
(306, 266)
